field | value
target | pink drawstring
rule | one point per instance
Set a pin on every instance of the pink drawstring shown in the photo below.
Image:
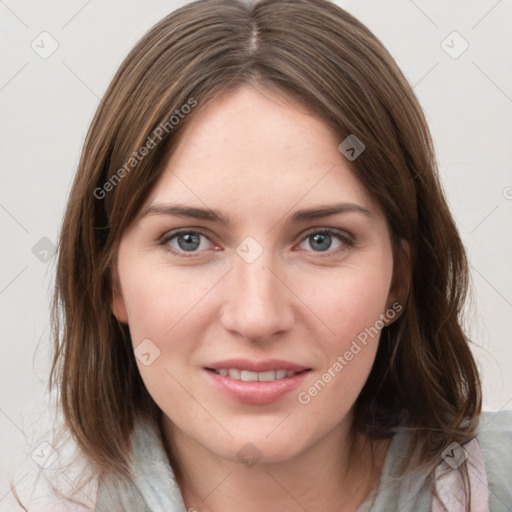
(450, 485)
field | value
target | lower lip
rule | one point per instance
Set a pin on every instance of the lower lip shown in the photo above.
(256, 392)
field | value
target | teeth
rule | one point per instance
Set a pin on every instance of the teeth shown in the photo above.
(234, 374)
(266, 376)
(247, 376)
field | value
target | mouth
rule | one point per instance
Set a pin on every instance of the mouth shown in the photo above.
(249, 376)
(256, 382)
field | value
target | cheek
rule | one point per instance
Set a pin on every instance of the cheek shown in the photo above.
(162, 306)
(351, 314)
(159, 300)
(166, 306)
(348, 300)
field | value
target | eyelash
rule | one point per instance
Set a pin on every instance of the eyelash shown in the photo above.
(346, 240)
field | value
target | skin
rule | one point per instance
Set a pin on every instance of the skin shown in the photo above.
(257, 158)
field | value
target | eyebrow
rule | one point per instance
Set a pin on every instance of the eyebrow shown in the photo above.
(302, 215)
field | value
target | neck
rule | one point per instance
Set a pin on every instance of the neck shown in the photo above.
(331, 475)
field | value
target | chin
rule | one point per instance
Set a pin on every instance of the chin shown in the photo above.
(257, 446)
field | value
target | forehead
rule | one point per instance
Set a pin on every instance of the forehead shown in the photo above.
(259, 153)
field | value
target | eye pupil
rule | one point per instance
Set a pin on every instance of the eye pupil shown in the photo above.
(188, 241)
(323, 240)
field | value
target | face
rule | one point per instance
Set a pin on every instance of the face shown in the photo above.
(258, 256)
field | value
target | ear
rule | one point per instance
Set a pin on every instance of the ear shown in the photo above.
(401, 281)
(118, 306)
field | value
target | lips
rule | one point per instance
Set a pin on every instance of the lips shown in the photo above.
(248, 376)
(256, 382)
(256, 366)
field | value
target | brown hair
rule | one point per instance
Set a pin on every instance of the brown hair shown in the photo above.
(424, 377)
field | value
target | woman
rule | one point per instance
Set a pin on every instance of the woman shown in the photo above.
(259, 283)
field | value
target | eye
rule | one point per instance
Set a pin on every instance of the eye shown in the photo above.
(190, 241)
(322, 240)
(185, 241)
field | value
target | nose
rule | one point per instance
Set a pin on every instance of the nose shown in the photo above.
(259, 304)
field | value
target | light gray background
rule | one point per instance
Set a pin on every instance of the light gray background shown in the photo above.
(47, 105)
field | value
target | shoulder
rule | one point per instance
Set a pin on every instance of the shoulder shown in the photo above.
(495, 439)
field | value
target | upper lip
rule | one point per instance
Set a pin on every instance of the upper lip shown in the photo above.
(256, 366)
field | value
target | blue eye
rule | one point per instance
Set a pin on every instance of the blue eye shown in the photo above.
(187, 241)
(322, 240)
(194, 241)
